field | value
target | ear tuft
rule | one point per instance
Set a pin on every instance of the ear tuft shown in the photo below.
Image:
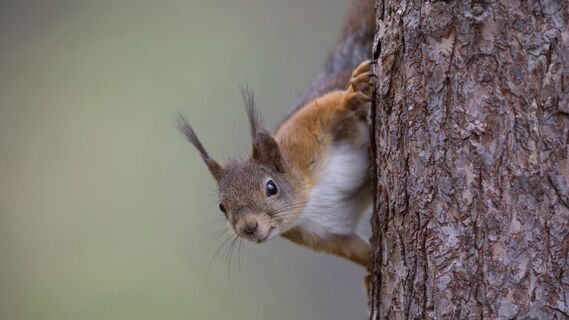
(255, 120)
(265, 148)
(184, 126)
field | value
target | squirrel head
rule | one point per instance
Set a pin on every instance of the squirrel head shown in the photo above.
(256, 195)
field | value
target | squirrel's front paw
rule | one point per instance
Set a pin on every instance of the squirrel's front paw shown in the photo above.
(360, 86)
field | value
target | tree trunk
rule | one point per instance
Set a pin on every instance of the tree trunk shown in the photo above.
(471, 125)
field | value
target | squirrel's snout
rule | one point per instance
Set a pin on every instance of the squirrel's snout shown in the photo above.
(250, 228)
(255, 230)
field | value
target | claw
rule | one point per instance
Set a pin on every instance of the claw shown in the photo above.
(359, 86)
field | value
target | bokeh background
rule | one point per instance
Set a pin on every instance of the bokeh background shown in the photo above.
(106, 212)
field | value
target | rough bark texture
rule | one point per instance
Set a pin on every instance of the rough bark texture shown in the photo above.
(471, 124)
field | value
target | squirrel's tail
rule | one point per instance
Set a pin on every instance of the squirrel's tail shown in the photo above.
(353, 47)
(356, 39)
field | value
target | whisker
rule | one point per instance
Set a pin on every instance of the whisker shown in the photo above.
(229, 255)
(239, 254)
(212, 237)
(215, 255)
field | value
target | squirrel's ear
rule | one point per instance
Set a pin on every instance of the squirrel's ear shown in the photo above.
(265, 148)
(266, 151)
(214, 168)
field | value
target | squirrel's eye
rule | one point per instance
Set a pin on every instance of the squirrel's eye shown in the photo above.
(222, 207)
(271, 188)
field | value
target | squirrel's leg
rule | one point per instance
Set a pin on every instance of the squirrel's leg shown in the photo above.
(352, 247)
(326, 110)
(326, 118)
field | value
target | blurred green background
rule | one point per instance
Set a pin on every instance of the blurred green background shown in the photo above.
(106, 212)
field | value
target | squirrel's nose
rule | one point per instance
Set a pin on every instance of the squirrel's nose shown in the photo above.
(250, 228)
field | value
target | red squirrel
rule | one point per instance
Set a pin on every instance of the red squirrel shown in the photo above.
(309, 181)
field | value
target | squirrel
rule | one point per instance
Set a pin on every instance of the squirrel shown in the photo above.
(309, 182)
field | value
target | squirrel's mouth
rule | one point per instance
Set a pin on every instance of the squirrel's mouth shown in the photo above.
(266, 236)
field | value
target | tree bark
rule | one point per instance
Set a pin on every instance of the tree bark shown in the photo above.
(471, 149)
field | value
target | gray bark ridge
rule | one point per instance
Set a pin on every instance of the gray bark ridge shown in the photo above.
(471, 148)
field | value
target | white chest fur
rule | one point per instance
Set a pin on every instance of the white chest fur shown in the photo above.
(341, 194)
